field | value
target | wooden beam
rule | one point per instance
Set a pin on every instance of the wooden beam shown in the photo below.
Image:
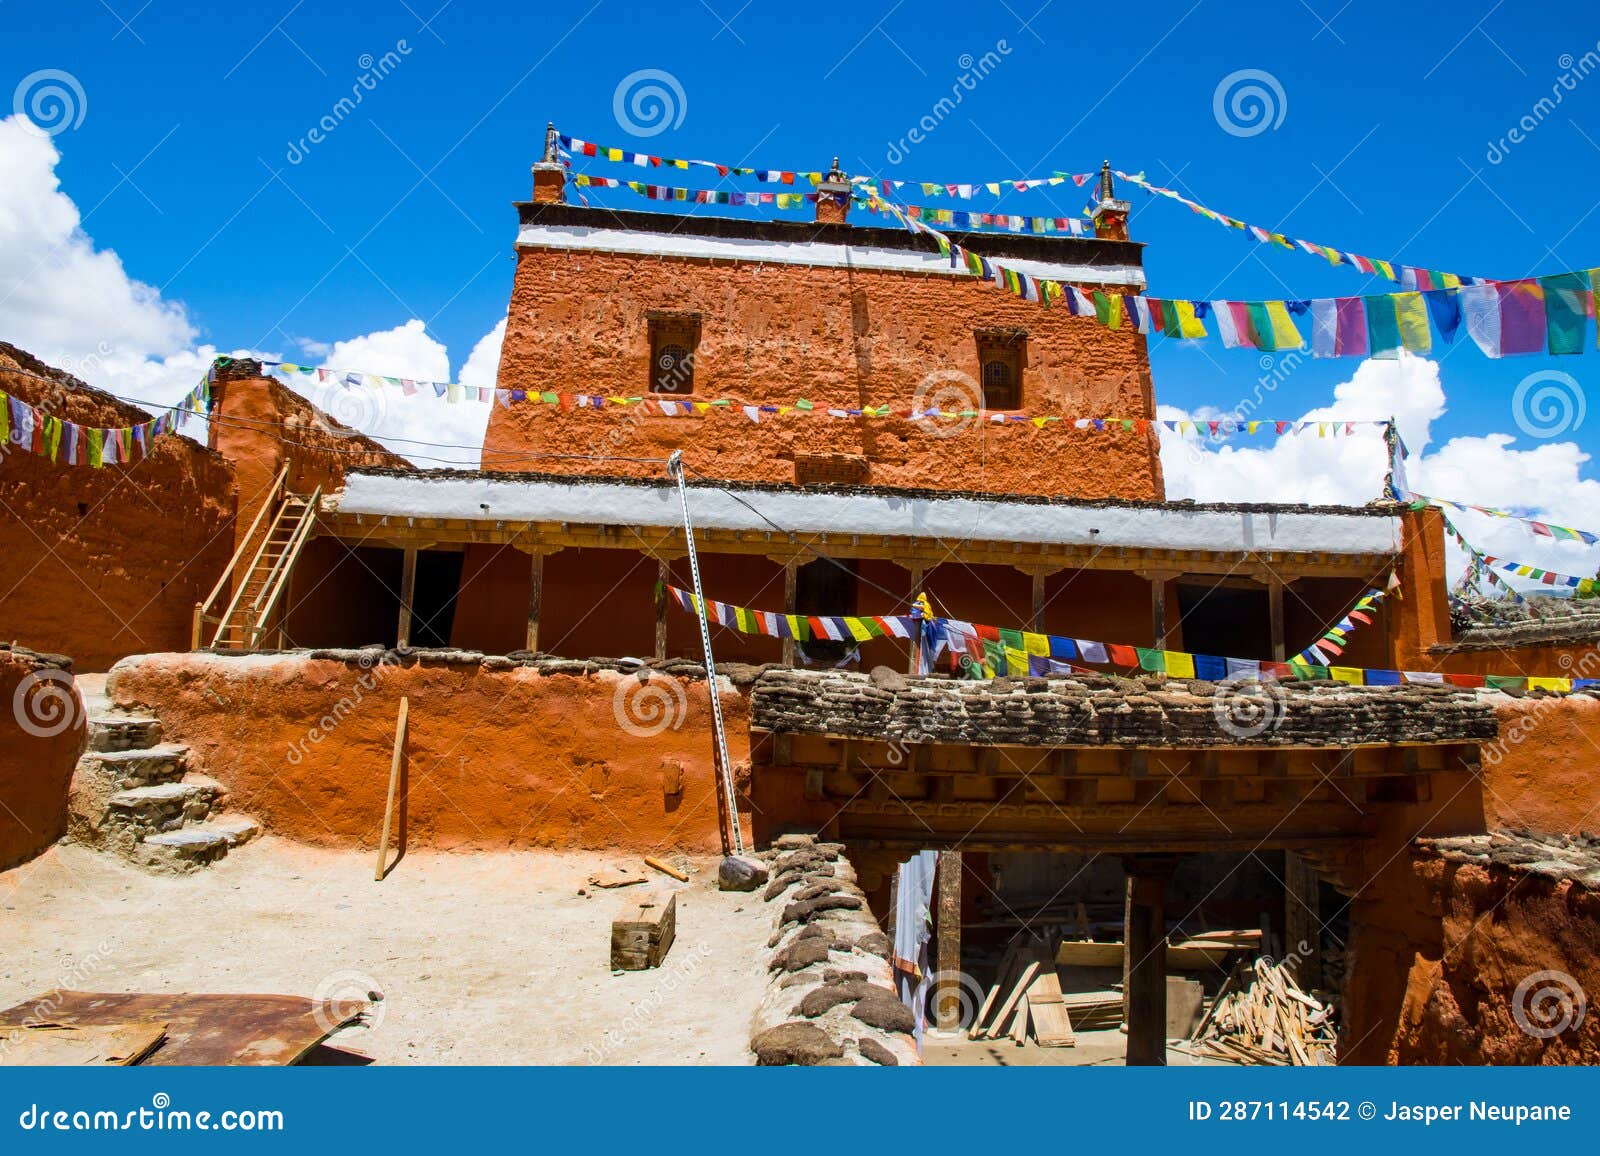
(535, 598)
(408, 596)
(1036, 613)
(947, 993)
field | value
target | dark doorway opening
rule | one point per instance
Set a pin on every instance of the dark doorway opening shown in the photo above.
(826, 587)
(1226, 621)
(434, 606)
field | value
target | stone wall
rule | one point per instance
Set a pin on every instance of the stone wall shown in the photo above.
(770, 334)
(1092, 710)
(42, 733)
(104, 563)
(830, 997)
(503, 752)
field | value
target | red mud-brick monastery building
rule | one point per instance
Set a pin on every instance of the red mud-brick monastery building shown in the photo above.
(294, 579)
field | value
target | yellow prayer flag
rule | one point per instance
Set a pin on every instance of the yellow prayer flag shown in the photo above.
(1188, 324)
(1037, 645)
(1412, 313)
(1349, 674)
(858, 629)
(1559, 685)
(1179, 663)
(1284, 333)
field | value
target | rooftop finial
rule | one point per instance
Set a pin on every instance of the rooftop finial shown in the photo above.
(551, 155)
(836, 174)
(1108, 191)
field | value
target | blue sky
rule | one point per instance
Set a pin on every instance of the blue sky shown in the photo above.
(1384, 118)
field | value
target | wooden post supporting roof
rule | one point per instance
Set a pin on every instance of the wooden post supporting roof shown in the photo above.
(1160, 629)
(408, 596)
(791, 586)
(1275, 584)
(535, 598)
(1302, 920)
(1145, 947)
(663, 576)
(947, 946)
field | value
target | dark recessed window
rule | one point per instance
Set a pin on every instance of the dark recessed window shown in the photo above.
(673, 342)
(1001, 357)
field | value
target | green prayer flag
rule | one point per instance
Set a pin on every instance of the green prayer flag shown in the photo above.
(1566, 310)
(1152, 660)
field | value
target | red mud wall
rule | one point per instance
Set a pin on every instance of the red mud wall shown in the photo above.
(42, 733)
(497, 758)
(838, 338)
(1441, 958)
(104, 563)
(261, 424)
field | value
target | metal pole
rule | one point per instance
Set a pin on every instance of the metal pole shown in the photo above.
(675, 471)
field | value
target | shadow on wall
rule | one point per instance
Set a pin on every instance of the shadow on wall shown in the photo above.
(42, 733)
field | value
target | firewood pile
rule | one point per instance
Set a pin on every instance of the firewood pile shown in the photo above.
(1261, 1016)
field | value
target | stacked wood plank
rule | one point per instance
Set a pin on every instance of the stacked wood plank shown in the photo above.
(1026, 1000)
(1261, 1016)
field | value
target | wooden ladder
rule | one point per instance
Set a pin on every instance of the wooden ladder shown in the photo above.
(259, 586)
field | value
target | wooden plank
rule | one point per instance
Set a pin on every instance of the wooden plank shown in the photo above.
(1019, 1031)
(1008, 967)
(401, 725)
(1018, 990)
(946, 995)
(1052, 1026)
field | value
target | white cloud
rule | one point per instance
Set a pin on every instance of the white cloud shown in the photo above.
(75, 306)
(1543, 479)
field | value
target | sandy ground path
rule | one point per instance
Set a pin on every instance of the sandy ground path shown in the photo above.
(481, 958)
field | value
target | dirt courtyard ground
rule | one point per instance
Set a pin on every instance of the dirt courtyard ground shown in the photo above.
(481, 959)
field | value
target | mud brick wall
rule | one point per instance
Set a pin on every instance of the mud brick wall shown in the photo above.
(503, 752)
(1093, 710)
(769, 334)
(42, 733)
(104, 563)
(1479, 950)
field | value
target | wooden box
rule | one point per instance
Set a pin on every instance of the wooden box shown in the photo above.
(642, 934)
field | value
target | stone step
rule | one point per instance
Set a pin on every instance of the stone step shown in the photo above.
(109, 731)
(197, 845)
(162, 806)
(125, 769)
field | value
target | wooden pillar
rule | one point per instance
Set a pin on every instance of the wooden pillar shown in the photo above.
(1275, 616)
(947, 943)
(1160, 629)
(1302, 920)
(1036, 613)
(663, 576)
(1145, 959)
(408, 595)
(913, 658)
(535, 598)
(791, 587)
